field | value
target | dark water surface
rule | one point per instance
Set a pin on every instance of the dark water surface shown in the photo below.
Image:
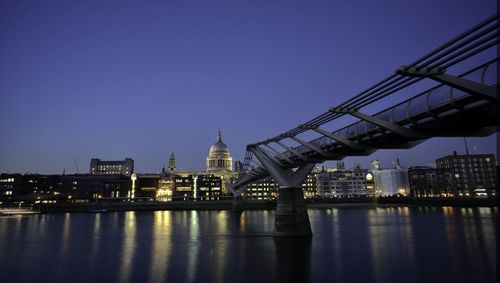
(442, 244)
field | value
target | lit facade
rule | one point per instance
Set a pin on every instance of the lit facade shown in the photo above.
(472, 175)
(209, 187)
(370, 183)
(55, 188)
(144, 186)
(389, 182)
(184, 188)
(219, 159)
(102, 167)
(341, 182)
(219, 163)
(267, 189)
(430, 182)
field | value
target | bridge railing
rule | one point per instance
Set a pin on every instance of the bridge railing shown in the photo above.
(424, 102)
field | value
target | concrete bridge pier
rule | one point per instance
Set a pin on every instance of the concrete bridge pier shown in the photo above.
(238, 203)
(291, 214)
(291, 218)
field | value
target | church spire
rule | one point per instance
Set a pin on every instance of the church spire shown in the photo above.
(171, 163)
(219, 136)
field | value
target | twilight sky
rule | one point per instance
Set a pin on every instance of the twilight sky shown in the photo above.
(142, 79)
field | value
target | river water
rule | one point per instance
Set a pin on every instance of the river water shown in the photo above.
(349, 244)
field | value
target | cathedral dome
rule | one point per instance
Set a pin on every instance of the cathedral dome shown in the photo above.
(219, 158)
(218, 150)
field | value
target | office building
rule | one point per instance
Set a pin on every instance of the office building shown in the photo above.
(208, 187)
(473, 175)
(341, 182)
(75, 188)
(102, 167)
(426, 181)
(267, 189)
(183, 188)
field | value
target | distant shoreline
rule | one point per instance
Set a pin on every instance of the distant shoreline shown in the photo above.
(93, 207)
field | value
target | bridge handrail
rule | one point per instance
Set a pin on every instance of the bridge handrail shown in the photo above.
(452, 97)
(464, 46)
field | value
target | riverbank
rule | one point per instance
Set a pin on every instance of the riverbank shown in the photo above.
(142, 206)
(254, 204)
(405, 201)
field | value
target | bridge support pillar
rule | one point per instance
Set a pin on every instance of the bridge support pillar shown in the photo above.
(291, 218)
(238, 203)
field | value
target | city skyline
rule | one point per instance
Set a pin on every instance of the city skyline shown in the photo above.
(142, 81)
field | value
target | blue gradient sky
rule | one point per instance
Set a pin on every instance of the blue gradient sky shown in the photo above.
(141, 79)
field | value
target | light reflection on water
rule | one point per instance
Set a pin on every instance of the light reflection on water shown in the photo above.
(128, 246)
(161, 246)
(192, 253)
(350, 244)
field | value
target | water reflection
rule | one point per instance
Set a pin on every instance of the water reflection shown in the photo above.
(293, 259)
(161, 245)
(94, 243)
(128, 246)
(376, 244)
(220, 250)
(193, 247)
(65, 238)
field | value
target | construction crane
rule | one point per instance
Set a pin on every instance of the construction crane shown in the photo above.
(76, 166)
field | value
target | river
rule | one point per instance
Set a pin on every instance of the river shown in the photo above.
(349, 244)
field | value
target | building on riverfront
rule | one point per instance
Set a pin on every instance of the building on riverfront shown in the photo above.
(389, 182)
(473, 175)
(267, 189)
(50, 188)
(426, 181)
(219, 163)
(341, 182)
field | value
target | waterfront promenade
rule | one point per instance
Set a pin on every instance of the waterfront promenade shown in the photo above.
(258, 204)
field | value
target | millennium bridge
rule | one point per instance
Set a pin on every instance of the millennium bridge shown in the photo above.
(452, 90)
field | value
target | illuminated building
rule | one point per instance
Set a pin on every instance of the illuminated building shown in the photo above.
(145, 186)
(219, 159)
(341, 182)
(183, 188)
(370, 183)
(78, 187)
(309, 186)
(472, 175)
(267, 189)
(219, 163)
(389, 182)
(86, 186)
(100, 167)
(430, 182)
(28, 187)
(165, 190)
(208, 187)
